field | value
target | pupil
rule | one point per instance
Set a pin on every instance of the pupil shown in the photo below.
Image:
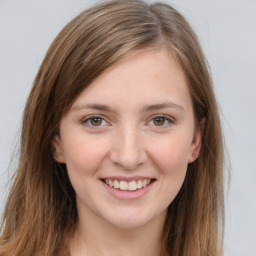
(96, 121)
(159, 121)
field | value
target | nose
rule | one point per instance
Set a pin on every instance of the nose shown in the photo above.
(127, 149)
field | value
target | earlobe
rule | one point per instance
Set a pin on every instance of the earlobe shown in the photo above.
(57, 149)
(197, 142)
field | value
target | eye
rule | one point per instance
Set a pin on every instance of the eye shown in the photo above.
(94, 121)
(160, 121)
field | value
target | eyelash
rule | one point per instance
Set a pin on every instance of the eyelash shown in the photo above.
(90, 118)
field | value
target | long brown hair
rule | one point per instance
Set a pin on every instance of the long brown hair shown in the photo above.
(40, 215)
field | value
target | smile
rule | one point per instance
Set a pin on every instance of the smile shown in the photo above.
(128, 185)
(124, 188)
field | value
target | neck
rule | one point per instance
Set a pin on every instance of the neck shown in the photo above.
(94, 237)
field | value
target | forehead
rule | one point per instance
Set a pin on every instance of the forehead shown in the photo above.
(149, 75)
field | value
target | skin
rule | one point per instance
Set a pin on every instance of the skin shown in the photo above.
(128, 140)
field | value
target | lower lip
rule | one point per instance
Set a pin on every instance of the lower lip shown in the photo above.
(128, 195)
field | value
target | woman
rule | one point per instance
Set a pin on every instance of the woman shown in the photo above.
(121, 145)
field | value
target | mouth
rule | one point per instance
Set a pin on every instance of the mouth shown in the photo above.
(128, 185)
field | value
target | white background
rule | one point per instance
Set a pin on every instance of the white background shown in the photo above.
(227, 31)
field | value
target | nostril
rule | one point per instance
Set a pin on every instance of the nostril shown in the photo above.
(127, 150)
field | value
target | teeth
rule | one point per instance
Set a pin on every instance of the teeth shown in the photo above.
(144, 183)
(139, 184)
(116, 184)
(124, 185)
(110, 183)
(132, 185)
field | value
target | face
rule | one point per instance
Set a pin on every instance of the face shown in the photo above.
(128, 138)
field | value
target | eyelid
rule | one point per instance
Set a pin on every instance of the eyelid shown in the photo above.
(87, 118)
(84, 121)
(171, 120)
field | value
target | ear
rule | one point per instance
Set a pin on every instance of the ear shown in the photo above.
(197, 142)
(58, 149)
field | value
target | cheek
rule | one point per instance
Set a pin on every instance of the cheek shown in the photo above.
(83, 159)
(171, 158)
(84, 156)
(171, 153)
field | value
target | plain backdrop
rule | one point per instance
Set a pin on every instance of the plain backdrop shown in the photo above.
(227, 31)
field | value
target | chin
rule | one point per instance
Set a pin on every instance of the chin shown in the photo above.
(133, 219)
(128, 223)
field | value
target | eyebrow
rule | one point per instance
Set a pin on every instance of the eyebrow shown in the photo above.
(163, 105)
(147, 108)
(93, 106)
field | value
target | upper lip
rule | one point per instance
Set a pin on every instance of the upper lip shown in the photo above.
(128, 179)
